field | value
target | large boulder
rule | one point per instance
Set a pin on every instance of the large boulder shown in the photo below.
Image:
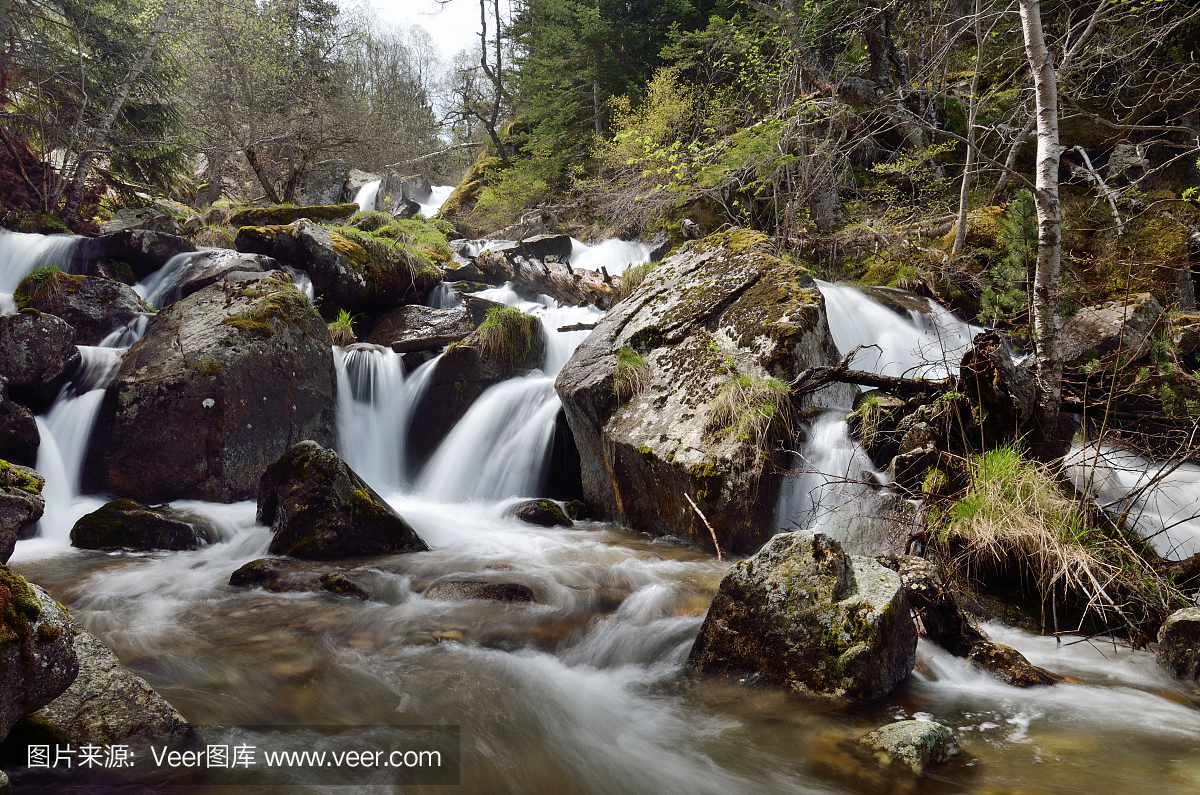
(222, 383)
(127, 524)
(320, 509)
(1179, 644)
(1096, 331)
(21, 504)
(19, 436)
(108, 704)
(208, 267)
(402, 195)
(149, 218)
(286, 214)
(129, 255)
(804, 615)
(681, 390)
(37, 656)
(323, 183)
(37, 353)
(93, 306)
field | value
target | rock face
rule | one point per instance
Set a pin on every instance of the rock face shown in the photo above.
(109, 704)
(37, 352)
(1099, 330)
(127, 524)
(208, 267)
(19, 436)
(37, 658)
(545, 513)
(94, 307)
(915, 744)
(222, 383)
(21, 504)
(1179, 644)
(641, 393)
(129, 255)
(805, 615)
(323, 184)
(320, 509)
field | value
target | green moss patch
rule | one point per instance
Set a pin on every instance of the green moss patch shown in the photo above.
(507, 334)
(44, 283)
(278, 304)
(13, 478)
(19, 607)
(285, 214)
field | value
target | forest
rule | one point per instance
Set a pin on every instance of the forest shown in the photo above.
(650, 397)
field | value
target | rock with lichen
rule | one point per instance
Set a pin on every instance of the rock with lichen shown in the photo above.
(804, 615)
(915, 744)
(37, 656)
(1179, 644)
(37, 354)
(127, 524)
(222, 383)
(682, 389)
(21, 504)
(546, 513)
(319, 508)
(93, 306)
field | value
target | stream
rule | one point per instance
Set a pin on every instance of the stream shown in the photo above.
(584, 690)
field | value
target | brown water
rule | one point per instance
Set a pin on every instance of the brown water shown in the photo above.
(585, 692)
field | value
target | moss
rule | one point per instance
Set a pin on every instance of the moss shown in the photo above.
(984, 230)
(19, 606)
(278, 302)
(11, 477)
(47, 633)
(34, 221)
(281, 214)
(390, 265)
(205, 367)
(44, 283)
(935, 483)
(708, 481)
(506, 333)
(422, 235)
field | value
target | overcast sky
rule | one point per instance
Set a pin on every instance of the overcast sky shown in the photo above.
(453, 27)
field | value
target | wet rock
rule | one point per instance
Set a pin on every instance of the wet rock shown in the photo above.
(450, 590)
(127, 256)
(37, 657)
(260, 573)
(419, 328)
(660, 245)
(1179, 644)
(280, 575)
(149, 218)
(641, 392)
(402, 195)
(340, 584)
(1001, 392)
(1009, 665)
(915, 744)
(319, 508)
(1097, 331)
(222, 383)
(282, 214)
(900, 301)
(94, 307)
(323, 183)
(127, 524)
(939, 616)
(21, 504)
(540, 265)
(546, 513)
(19, 436)
(37, 353)
(804, 615)
(108, 704)
(576, 509)
(208, 267)
(355, 180)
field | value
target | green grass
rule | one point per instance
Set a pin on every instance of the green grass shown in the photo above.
(633, 277)
(507, 334)
(751, 410)
(42, 284)
(632, 374)
(341, 329)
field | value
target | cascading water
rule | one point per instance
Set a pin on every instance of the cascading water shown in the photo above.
(613, 255)
(21, 252)
(164, 282)
(437, 197)
(443, 296)
(365, 198)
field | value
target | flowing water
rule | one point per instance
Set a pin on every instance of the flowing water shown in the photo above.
(365, 198)
(21, 252)
(585, 689)
(613, 255)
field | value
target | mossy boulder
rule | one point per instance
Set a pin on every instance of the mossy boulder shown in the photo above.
(1179, 644)
(93, 306)
(804, 615)
(914, 744)
(320, 509)
(208, 267)
(37, 656)
(546, 513)
(1009, 665)
(222, 383)
(37, 353)
(280, 214)
(127, 524)
(983, 230)
(722, 316)
(21, 504)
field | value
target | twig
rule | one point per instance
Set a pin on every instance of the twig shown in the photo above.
(711, 532)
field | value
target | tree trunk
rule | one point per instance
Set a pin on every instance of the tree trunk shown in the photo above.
(99, 138)
(1046, 320)
(267, 185)
(964, 195)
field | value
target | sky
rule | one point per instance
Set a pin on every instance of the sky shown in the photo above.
(453, 27)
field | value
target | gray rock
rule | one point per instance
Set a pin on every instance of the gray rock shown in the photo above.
(214, 216)
(208, 267)
(21, 504)
(109, 704)
(720, 310)
(939, 616)
(149, 218)
(1179, 644)
(402, 194)
(418, 328)
(320, 509)
(355, 180)
(127, 524)
(93, 306)
(546, 513)
(19, 436)
(915, 744)
(1097, 331)
(804, 615)
(128, 255)
(37, 353)
(222, 383)
(452, 590)
(191, 225)
(37, 656)
(323, 183)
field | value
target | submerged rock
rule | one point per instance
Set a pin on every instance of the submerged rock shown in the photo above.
(340, 584)
(1179, 644)
(127, 524)
(108, 703)
(319, 508)
(21, 504)
(222, 383)
(451, 590)
(804, 615)
(1009, 665)
(682, 390)
(280, 575)
(37, 656)
(37, 353)
(546, 513)
(94, 307)
(915, 744)
(1096, 331)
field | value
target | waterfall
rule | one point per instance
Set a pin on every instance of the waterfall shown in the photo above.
(365, 198)
(437, 197)
(614, 255)
(443, 296)
(21, 252)
(374, 407)
(162, 286)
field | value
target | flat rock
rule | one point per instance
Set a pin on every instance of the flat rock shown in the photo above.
(286, 214)
(127, 524)
(451, 590)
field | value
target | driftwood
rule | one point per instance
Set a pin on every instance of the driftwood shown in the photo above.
(814, 378)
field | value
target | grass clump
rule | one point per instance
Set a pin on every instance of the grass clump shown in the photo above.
(216, 236)
(43, 284)
(751, 410)
(507, 334)
(423, 235)
(278, 301)
(633, 277)
(341, 329)
(632, 374)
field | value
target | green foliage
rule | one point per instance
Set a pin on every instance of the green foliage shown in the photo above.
(526, 183)
(42, 284)
(633, 277)
(506, 333)
(1006, 297)
(11, 477)
(631, 376)
(751, 410)
(342, 329)
(424, 235)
